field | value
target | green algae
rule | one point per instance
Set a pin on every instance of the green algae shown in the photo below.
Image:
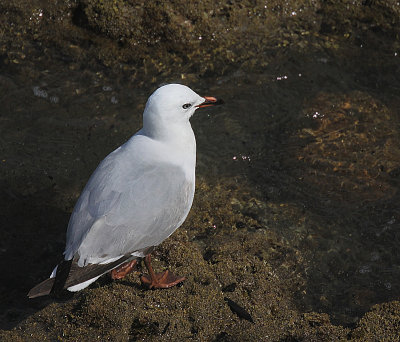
(195, 37)
(122, 310)
(381, 323)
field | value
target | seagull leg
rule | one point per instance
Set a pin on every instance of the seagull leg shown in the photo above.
(162, 280)
(122, 270)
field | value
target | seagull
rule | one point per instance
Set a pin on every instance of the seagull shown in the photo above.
(135, 199)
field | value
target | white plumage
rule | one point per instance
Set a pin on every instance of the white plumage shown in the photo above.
(140, 193)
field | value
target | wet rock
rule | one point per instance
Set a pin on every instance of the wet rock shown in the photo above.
(381, 323)
(329, 155)
(355, 145)
(201, 37)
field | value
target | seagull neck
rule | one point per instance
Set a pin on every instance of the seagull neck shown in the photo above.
(177, 144)
(180, 134)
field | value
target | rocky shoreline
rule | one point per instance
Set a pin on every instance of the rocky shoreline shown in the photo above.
(146, 43)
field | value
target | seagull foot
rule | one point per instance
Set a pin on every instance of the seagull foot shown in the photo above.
(122, 270)
(162, 280)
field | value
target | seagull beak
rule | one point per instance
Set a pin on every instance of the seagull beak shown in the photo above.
(210, 101)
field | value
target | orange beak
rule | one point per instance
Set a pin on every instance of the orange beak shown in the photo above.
(210, 101)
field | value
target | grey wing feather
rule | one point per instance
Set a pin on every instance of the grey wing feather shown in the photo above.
(127, 207)
(73, 275)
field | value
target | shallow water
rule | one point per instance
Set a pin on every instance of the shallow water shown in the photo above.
(329, 165)
(314, 136)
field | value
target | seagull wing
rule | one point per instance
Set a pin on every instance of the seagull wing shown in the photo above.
(130, 203)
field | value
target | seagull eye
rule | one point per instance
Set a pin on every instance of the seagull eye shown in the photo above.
(187, 105)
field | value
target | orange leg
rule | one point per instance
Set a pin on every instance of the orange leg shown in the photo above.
(122, 270)
(162, 280)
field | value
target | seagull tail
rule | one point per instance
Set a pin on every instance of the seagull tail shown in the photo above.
(52, 284)
(42, 289)
(70, 274)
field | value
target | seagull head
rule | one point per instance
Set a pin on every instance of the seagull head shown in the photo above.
(172, 105)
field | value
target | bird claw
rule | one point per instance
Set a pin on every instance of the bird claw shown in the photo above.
(121, 271)
(163, 280)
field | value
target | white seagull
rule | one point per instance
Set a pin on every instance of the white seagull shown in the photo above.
(135, 199)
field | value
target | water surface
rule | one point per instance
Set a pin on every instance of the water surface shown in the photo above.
(313, 137)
